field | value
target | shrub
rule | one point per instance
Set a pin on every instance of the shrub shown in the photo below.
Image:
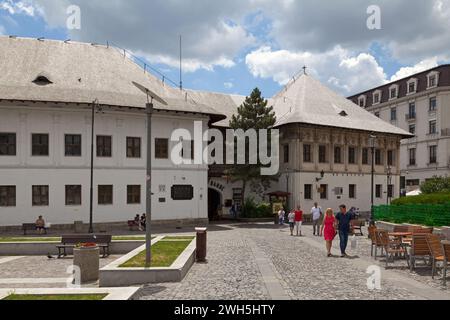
(253, 210)
(436, 185)
(437, 198)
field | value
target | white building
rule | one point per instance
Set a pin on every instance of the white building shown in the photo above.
(419, 104)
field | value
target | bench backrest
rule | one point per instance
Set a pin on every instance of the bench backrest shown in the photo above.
(29, 226)
(401, 229)
(423, 230)
(86, 238)
(434, 244)
(419, 246)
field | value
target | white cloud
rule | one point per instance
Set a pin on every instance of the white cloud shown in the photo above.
(18, 7)
(339, 68)
(419, 67)
(228, 85)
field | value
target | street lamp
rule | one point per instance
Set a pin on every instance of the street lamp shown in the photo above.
(287, 190)
(372, 140)
(389, 180)
(94, 108)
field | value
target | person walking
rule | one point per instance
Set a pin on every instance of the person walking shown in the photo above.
(291, 219)
(298, 221)
(316, 213)
(344, 218)
(328, 230)
(281, 214)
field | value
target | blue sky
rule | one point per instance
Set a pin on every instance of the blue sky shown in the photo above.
(235, 46)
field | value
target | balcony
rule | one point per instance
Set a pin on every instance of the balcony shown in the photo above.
(410, 117)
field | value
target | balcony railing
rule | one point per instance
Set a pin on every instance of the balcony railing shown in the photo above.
(410, 116)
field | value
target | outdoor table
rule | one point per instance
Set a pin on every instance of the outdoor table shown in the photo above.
(401, 235)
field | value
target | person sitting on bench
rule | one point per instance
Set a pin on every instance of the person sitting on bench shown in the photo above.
(40, 225)
(143, 224)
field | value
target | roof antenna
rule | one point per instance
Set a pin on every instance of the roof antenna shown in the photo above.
(181, 64)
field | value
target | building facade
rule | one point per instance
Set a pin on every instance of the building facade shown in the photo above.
(419, 104)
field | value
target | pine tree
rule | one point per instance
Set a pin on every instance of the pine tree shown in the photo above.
(254, 113)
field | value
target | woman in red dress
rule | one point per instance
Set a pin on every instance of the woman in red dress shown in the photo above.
(328, 229)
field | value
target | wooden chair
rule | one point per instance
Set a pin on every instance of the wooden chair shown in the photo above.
(446, 251)
(392, 247)
(436, 250)
(378, 243)
(423, 231)
(417, 230)
(419, 249)
(401, 229)
(373, 238)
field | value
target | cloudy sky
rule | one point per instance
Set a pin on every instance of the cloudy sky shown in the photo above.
(232, 46)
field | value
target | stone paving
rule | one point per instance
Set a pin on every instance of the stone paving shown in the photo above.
(259, 262)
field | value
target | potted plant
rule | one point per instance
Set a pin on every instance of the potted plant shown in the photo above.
(86, 257)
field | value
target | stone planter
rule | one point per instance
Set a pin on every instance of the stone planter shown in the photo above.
(88, 260)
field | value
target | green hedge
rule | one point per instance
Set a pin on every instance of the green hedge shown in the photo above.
(436, 198)
(433, 215)
(253, 210)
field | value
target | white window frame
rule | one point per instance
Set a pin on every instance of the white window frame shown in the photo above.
(415, 81)
(431, 75)
(380, 95)
(394, 86)
(362, 98)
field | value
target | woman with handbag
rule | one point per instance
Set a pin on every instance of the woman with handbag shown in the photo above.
(328, 229)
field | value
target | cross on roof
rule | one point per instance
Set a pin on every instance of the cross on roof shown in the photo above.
(304, 69)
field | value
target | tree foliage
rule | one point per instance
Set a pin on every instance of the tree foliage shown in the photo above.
(436, 185)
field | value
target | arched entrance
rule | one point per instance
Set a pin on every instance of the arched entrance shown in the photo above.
(214, 203)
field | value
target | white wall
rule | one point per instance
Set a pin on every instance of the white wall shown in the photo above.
(56, 170)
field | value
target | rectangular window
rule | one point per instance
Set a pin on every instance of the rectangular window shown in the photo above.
(432, 81)
(352, 191)
(308, 191)
(376, 98)
(323, 191)
(394, 114)
(307, 153)
(39, 144)
(433, 127)
(286, 153)
(104, 146)
(7, 196)
(379, 191)
(365, 156)
(412, 87)
(73, 195)
(412, 128)
(412, 157)
(39, 196)
(162, 148)
(412, 110)
(134, 194)
(433, 104)
(337, 155)
(105, 194)
(133, 147)
(7, 144)
(391, 158)
(378, 157)
(322, 154)
(433, 154)
(72, 145)
(352, 155)
(393, 93)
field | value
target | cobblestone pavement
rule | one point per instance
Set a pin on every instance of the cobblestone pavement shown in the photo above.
(299, 266)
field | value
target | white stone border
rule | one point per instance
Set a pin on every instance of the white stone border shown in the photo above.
(113, 293)
(114, 276)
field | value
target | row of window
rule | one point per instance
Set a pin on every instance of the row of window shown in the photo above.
(432, 155)
(73, 143)
(40, 195)
(411, 115)
(323, 191)
(353, 155)
(411, 88)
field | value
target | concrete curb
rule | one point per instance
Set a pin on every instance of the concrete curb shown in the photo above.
(113, 293)
(114, 276)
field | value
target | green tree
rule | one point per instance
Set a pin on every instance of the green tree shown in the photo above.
(254, 113)
(436, 185)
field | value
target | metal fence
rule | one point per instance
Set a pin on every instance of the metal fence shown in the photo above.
(423, 214)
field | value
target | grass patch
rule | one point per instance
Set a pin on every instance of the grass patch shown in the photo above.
(180, 238)
(44, 297)
(164, 254)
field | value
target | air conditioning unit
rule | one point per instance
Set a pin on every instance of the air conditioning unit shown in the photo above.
(338, 191)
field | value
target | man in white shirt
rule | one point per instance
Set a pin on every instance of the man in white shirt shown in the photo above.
(316, 213)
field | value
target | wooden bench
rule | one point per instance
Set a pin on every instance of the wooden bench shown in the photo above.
(356, 227)
(30, 226)
(70, 241)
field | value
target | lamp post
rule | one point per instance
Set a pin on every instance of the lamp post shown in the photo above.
(95, 105)
(287, 190)
(372, 146)
(389, 179)
(148, 193)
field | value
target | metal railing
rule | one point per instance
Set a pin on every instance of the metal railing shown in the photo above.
(410, 116)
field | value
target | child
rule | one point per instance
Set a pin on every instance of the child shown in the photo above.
(291, 219)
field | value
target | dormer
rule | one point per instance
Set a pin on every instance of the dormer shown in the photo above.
(362, 99)
(432, 79)
(412, 86)
(393, 92)
(377, 95)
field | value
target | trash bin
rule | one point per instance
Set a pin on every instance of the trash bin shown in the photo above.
(201, 244)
